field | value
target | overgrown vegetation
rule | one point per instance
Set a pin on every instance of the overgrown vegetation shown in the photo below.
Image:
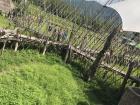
(5, 23)
(29, 78)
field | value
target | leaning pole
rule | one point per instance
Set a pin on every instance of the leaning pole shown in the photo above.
(90, 73)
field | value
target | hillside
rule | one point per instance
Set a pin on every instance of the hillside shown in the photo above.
(29, 78)
(94, 10)
(48, 54)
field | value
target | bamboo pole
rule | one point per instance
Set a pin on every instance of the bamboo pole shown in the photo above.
(92, 70)
(130, 69)
(4, 45)
(45, 48)
(16, 46)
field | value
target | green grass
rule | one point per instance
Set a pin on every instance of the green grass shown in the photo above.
(29, 78)
(4, 23)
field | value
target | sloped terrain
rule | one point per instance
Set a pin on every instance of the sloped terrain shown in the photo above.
(29, 78)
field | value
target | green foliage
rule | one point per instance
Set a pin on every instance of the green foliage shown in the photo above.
(29, 78)
(4, 23)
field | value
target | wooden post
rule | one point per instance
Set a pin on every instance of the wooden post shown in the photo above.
(92, 70)
(130, 68)
(17, 36)
(67, 53)
(16, 46)
(69, 46)
(45, 48)
(4, 45)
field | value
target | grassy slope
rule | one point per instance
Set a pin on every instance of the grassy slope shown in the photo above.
(4, 23)
(28, 78)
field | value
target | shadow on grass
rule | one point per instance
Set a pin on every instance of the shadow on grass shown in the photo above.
(106, 94)
(97, 90)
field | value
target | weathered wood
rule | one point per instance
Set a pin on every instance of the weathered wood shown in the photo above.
(45, 48)
(67, 54)
(16, 46)
(131, 66)
(4, 45)
(92, 70)
(69, 45)
(104, 65)
(10, 36)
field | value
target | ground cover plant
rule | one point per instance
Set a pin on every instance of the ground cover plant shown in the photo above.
(29, 78)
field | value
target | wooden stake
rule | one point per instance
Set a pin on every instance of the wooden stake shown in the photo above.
(4, 45)
(130, 68)
(16, 46)
(92, 70)
(67, 54)
(69, 45)
(45, 48)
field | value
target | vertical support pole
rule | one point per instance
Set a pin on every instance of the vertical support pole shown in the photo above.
(17, 36)
(69, 46)
(4, 45)
(130, 68)
(45, 49)
(16, 46)
(92, 70)
(67, 53)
